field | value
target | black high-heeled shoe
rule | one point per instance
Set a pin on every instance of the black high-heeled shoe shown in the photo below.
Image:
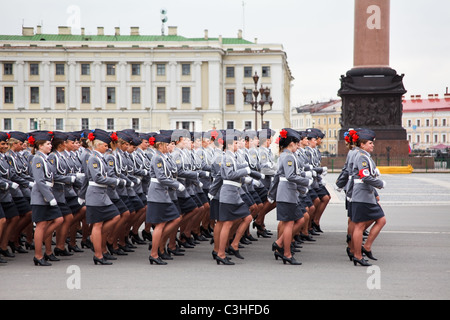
(276, 247)
(147, 235)
(277, 255)
(74, 248)
(226, 261)
(350, 254)
(102, 261)
(263, 234)
(6, 253)
(175, 252)
(41, 262)
(236, 253)
(15, 248)
(291, 260)
(368, 253)
(157, 261)
(135, 239)
(62, 253)
(361, 261)
(316, 227)
(50, 257)
(164, 255)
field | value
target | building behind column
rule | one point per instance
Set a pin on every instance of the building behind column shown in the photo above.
(68, 81)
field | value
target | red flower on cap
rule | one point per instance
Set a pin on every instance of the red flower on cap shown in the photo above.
(91, 136)
(151, 140)
(283, 134)
(347, 138)
(220, 141)
(8, 135)
(214, 134)
(31, 140)
(114, 136)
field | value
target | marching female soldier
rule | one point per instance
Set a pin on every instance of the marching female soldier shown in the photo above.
(45, 211)
(365, 207)
(100, 210)
(289, 209)
(232, 208)
(162, 212)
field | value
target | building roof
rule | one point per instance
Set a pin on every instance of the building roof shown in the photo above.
(430, 104)
(117, 38)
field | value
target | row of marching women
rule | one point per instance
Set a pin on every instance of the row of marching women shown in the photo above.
(173, 188)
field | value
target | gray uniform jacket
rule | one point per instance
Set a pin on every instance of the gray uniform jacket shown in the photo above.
(62, 177)
(43, 173)
(163, 183)
(365, 179)
(121, 172)
(5, 182)
(185, 174)
(98, 181)
(290, 179)
(232, 173)
(143, 160)
(19, 164)
(203, 158)
(217, 181)
(111, 171)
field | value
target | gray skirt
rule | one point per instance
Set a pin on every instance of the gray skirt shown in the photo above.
(158, 212)
(44, 213)
(231, 212)
(101, 214)
(289, 211)
(362, 212)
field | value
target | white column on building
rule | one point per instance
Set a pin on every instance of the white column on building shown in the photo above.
(197, 94)
(172, 95)
(148, 103)
(123, 95)
(238, 97)
(97, 94)
(19, 93)
(215, 86)
(72, 86)
(46, 94)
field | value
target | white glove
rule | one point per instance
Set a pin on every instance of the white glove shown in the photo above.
(377, 172)
(314, 173)
(73, 178)
(384, 184)
(308, 174)
(248, 180)
(138, 181)
(210, 196)
(145, 172)
(325, 171)
(132, 184)
(200, 185)
(248, 170)
(270, 200)
(181, 187)
(53, 203)
(257, 183)
(310, 182)
(14, 185)
(80, 175)
(31, 184)
(81, 201)
(337, 189)
(263, 176)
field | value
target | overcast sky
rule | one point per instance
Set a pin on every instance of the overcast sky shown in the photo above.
(317, 35)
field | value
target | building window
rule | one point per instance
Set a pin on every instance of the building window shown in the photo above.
(186, 95)
(136, 95)
(110, 124)
(230, 96)
(59, 124)
(135, 123)
(34, 95)
(266, 72)
(135, 69)
(230, 72)
(9, 96)
(444, 122)
(7, 124)
(85, 95)
(248, 72)
(34, 124)
(427, 122)
(409, 123)
(249, 96)
(161, 95)
(59, 69)
(60, 95)
(230, 124)
(110, 95)
(110, 69)
(444, 138)
(85, 69)
(7, 69)
(34, 69)
(160, 69)
(247, 125)
(84, 123)
(186, 69)
(418, 123)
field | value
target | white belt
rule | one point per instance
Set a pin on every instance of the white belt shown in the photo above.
(94, 184)
(357, 181)
(284, 179)
(154, 180)
(50, 184)
(232, 183)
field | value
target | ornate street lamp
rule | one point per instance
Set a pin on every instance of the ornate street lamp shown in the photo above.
(265, 98)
